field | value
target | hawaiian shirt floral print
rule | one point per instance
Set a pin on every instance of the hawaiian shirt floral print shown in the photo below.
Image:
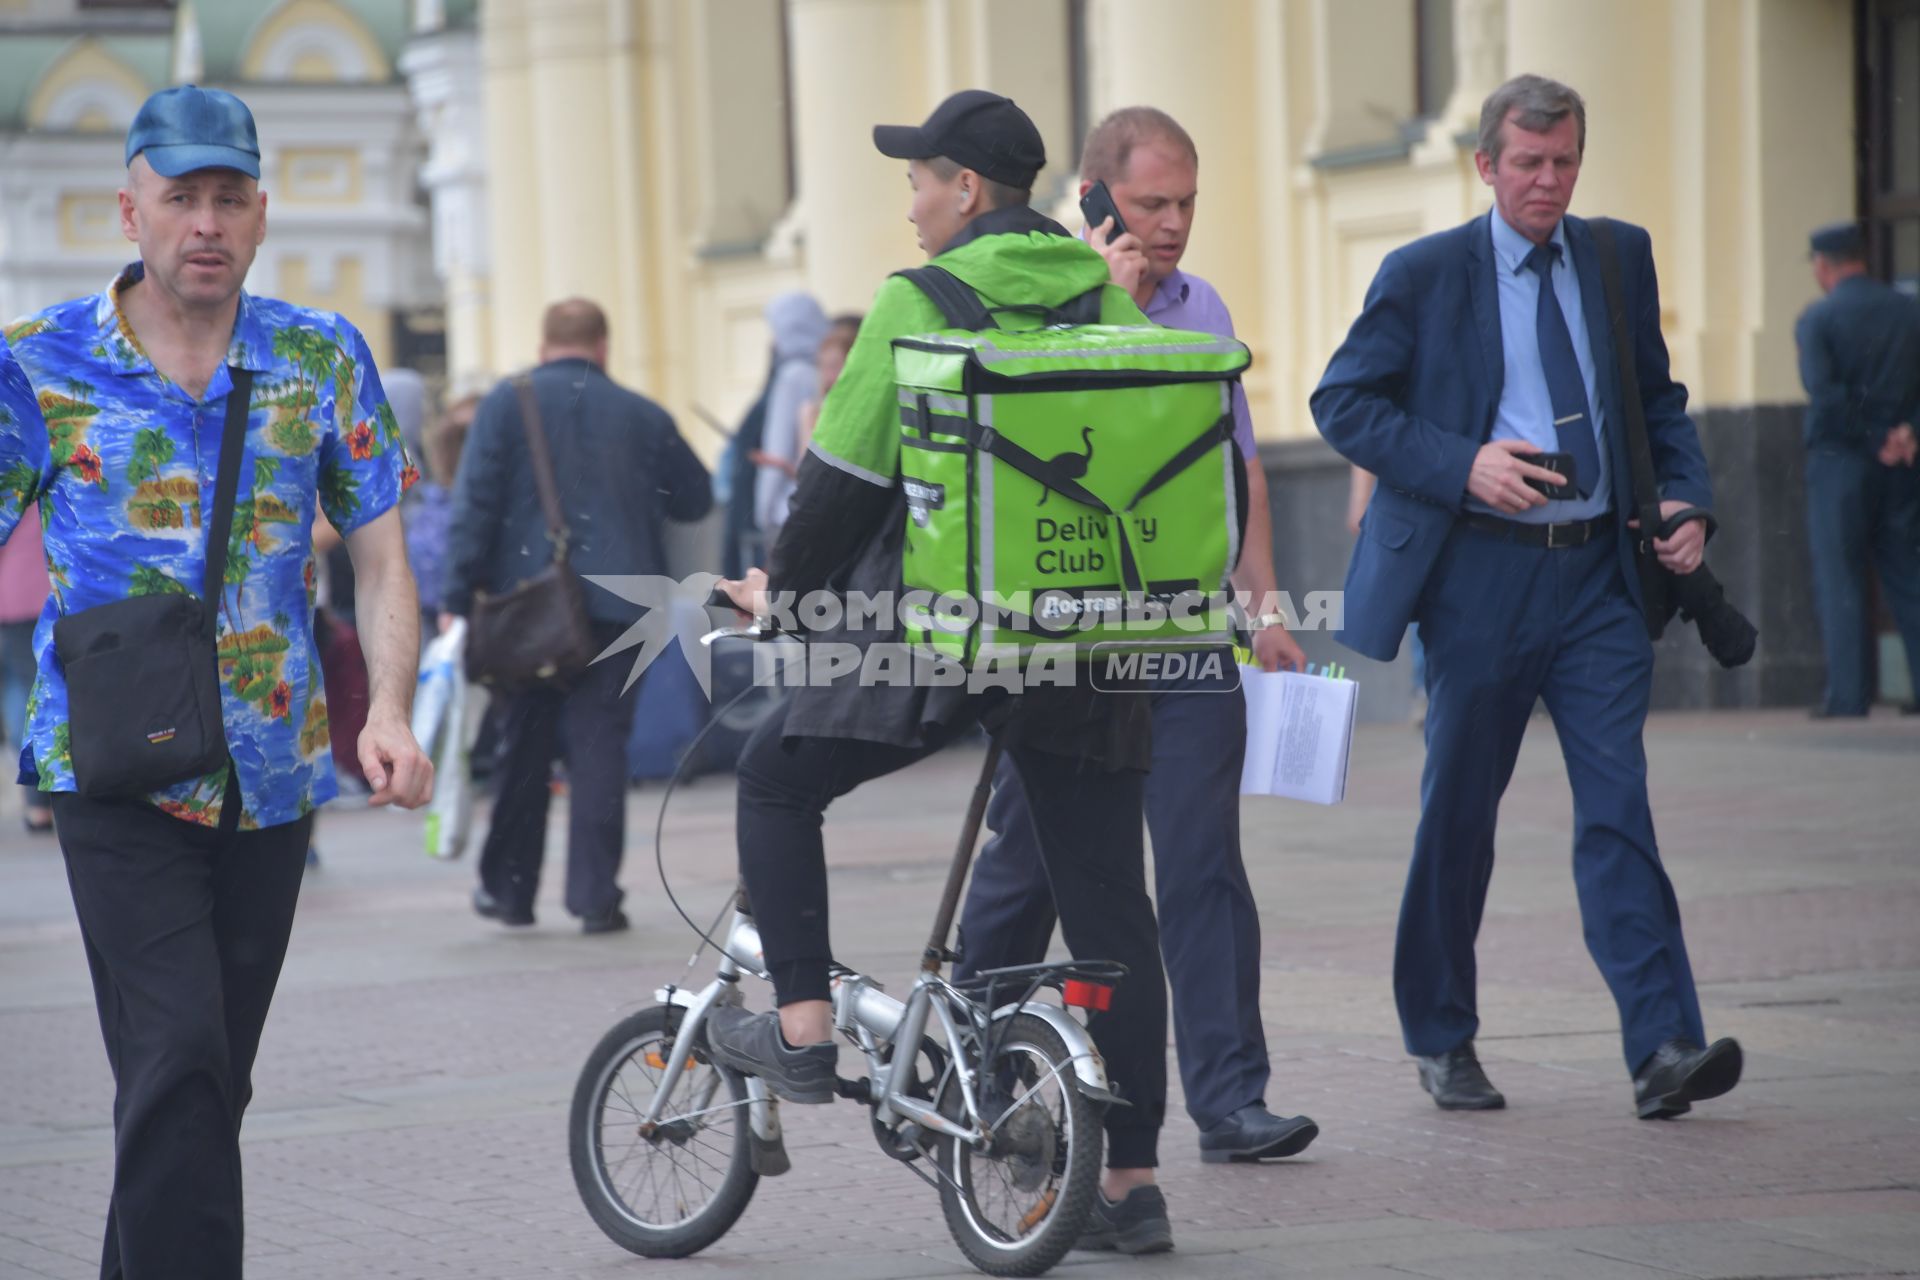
(123, 463)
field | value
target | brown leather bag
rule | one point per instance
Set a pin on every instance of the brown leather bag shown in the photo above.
(535, 635)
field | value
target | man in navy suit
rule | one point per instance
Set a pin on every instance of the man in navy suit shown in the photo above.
(1478, 349)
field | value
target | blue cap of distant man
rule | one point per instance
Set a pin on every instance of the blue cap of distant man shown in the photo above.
(186, 128)
(1839, 240)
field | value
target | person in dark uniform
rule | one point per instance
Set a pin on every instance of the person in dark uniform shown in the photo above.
(1860, 361)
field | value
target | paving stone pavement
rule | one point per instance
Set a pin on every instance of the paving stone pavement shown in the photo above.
(410, 1110)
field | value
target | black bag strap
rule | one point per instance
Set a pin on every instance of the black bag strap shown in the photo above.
(1219, 433)
(962, 307)
(541, 458)
(1646, 483)
(226, 486)
(957, 301)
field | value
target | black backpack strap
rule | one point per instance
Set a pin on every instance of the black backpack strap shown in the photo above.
(957, 301)
(226, 485)
(1084, 309)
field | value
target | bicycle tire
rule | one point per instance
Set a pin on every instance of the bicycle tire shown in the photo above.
(600, 1087)
(1071, 1173)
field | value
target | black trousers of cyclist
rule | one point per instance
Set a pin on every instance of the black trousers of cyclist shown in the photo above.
(1089, 826)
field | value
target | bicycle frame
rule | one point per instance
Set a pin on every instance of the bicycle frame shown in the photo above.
(880, 1024)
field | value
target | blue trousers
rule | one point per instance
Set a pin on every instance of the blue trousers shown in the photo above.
(1505, 624)
(1859, 512)
(1209, 926)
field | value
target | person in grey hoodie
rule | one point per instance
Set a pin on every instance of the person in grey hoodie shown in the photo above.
(798, 326)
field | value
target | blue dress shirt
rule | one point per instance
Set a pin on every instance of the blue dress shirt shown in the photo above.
(1526, 408)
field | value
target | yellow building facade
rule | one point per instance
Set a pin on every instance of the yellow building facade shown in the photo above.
(640, 152)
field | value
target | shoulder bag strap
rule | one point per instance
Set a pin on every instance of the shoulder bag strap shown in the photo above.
(233, 443)
(542, 459)
(956, 299)
(1646, 485)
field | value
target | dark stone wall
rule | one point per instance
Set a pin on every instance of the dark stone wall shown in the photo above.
(1760, 554)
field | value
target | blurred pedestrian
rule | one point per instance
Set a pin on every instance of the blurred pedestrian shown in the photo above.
(1860, 361)
(185, 890)
(623, 471)
(798, 325)
(23, 593)
(429, 507)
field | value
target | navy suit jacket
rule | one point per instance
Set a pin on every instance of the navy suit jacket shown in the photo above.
(1412, 393)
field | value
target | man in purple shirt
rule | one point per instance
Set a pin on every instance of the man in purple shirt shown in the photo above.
(1209, 926)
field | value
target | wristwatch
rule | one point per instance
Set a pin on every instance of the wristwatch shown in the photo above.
(1267, 620)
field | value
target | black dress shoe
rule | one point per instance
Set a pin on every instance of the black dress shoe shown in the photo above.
(1457, 1082)
(1255, 1133)
(1681, 1073)
(614, 921)
(492, 908)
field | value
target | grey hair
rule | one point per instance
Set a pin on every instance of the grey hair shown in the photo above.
(1541, 104)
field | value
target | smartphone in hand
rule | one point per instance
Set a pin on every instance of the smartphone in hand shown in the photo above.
(1097, 206)
(1561, 464)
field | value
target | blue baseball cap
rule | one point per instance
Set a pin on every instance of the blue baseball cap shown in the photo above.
(186, 128)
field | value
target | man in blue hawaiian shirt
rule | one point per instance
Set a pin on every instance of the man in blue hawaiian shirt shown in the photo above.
(186, 898)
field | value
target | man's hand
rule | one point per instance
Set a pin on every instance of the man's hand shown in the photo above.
(1126, 258)
(1499, 476)
(1275, 650)
(1683, 552)
(1900, 448)
(748, 593)
(397, 770)
(447, 620)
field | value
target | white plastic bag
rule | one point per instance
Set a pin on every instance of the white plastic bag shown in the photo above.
(448, 709)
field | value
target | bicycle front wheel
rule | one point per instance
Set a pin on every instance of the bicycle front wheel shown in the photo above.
(670, 1191)
(1016, 1207)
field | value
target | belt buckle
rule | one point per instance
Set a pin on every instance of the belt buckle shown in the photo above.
(1555, 538)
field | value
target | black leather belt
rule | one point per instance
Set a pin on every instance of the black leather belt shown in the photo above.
(1574, 533)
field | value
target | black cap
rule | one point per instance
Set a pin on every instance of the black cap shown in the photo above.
(981, 131)
(1840, 240)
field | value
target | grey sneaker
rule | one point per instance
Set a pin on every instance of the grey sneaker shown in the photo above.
(751, 1044)
(1138, 1224)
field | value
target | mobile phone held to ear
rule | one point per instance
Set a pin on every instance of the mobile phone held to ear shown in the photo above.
(1561, 464)
(1097, 206)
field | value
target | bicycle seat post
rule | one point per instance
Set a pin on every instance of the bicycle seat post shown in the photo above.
(937, 953)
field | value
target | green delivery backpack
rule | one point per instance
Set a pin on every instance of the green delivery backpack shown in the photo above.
(1072, 484)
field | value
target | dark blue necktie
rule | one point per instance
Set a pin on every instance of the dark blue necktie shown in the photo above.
(1572, 422)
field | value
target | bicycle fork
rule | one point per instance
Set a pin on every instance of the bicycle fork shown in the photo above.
(768, 1146)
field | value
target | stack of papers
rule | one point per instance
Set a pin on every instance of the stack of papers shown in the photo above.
(1299, 735)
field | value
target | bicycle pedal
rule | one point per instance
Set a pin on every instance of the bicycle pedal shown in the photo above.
(860, 1090)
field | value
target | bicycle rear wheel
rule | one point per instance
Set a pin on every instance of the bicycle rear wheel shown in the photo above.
(674, 1191)
(1018, 1206)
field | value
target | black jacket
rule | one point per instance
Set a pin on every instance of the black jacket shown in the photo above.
(622, 471)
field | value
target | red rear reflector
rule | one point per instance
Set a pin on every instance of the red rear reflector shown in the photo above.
(1088, 995)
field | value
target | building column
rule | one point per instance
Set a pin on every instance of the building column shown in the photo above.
(514, 231)
(444, 76)
(856, 63)
(1618, 58)
(572, 163)
(1479, 67)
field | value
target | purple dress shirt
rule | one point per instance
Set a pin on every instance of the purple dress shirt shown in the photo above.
(1188, 302)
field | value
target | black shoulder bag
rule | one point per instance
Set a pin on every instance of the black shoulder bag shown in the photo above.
(1698, 596)
(143, 677)
(537, 633)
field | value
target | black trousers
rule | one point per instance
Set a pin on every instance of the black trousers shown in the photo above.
(1209, 924)
(185, 928)
(588, 724)
(1089, 826)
